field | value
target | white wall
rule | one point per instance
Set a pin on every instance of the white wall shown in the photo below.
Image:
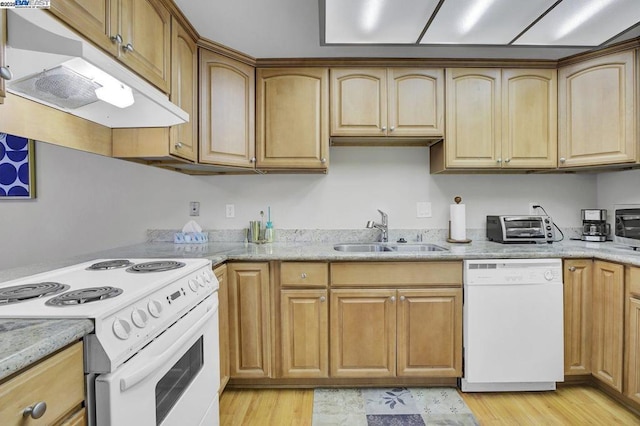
(86, 202)
(618, 188)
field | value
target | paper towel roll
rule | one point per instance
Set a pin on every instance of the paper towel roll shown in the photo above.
(458, 222)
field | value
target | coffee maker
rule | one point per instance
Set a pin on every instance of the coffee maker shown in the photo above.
(594, 225)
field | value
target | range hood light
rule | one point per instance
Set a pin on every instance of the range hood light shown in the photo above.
(113, 91)
(120, 96)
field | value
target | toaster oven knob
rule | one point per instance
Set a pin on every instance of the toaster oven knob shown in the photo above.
(193, 285)
(549, 235)
(155, 308)
(139, 318)
(548, 228)
(121, 328)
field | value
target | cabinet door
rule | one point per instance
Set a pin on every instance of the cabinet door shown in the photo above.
(227, 111)
(184, 91)
(608, 322)
(89, 17)
(430, 333)
(363, 333)
(145, 28)
(359, 102)
(304, 333)
(3, 42)
(293, 118)
(597, 111)
(633, 381)
(577, 316)
(473, 137)
(223, 318)
(529, 118)
(249, 319)
(416, 102)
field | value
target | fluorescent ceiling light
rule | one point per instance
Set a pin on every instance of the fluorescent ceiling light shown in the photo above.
(111, 91)
(376, 21)
(583, 23)
(483, 21)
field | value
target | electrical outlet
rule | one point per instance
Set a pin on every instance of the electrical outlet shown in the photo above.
(423, 209)
(230, 210)
(194, 208)
(533, 210)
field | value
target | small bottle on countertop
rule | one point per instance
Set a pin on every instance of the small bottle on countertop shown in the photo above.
(269, 233)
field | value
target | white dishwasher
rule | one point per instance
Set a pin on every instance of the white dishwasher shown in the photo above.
(512, 325)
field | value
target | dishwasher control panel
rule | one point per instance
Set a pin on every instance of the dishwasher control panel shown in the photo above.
(512, 271)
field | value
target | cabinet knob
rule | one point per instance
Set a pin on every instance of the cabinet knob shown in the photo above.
(562, 159)
(323, 160)
(499, 160)
(392, 298)
(128, 47)
(402, 298)
(384, 128)
(35, 411)
(179, 145)
(253, 160)
(572, 268)
(507, 160)
(323, 298)
(5, 73)
(303, 275)
(392, 128)
(116, 39)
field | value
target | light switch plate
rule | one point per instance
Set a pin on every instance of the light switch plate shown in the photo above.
(230, 210)
(423, 209)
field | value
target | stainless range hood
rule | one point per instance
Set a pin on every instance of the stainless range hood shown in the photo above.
(44, 57)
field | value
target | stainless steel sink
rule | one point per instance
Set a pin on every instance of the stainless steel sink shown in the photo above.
(385, 247)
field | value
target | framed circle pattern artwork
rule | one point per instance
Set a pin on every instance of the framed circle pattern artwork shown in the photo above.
(17, 167)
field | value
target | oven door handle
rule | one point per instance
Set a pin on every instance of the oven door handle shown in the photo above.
(158, 361)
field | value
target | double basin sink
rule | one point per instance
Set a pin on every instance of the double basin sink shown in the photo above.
(387, 247)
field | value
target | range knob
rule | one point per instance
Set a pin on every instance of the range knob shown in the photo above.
(121, 328)
(200, 281)
(207, 276)
(139, 318)
(193, 285)
(548, 275)
(155, 308)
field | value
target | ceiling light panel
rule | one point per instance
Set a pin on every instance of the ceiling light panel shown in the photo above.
(583, 23)
(376, 21)
(483, 21)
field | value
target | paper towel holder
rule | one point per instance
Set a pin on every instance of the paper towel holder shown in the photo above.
(457, 200)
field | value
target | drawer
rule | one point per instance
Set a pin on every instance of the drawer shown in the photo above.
(58, 381)
(304, 274)
(634, 280)
(396, 274)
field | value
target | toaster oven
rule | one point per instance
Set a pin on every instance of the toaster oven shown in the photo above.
(627, 225)
(520, 229)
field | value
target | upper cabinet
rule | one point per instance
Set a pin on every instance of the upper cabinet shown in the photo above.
(499, 118)
(395, 102)
(227, 111)
(138, 32)
(184, 92)
(3, 40)
(597, 111)
(292, 119)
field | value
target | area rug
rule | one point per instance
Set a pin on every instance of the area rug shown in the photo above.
(390, 407)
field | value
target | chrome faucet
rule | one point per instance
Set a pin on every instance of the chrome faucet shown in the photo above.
(383, 227)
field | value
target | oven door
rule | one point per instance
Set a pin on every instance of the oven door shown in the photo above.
(174, 380)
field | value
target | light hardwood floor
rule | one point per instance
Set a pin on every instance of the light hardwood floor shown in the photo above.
(570, 405)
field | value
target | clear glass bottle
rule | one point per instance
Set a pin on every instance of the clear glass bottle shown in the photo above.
(269, 233)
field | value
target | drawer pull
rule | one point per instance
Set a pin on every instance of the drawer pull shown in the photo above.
(303, 275)
(323, 298)
(572, 268)
(35, 411)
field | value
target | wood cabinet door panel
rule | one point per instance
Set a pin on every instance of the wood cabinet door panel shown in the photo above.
(304, 274)
(359, 102)
(473, 137)
(633, 374)
(429, 333)
(292, 118)
(597, 111)
(249, 319)
(608, 323)
(89, 17)
(184, 92)
(363, 333)
(227, 111)
(416, 102)
(529, 105)
(577, 316)
(304, 332)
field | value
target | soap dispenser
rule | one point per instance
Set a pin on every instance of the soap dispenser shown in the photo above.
(269, 232)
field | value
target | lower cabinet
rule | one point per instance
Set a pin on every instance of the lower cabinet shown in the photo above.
(632, 277)
(57, 381)
(608, 323)
(249, 320)
(223, 320)
(404, 333)
(577, 316)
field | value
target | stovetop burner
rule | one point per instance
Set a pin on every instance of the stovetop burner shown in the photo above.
(157, 266)
(25, 292)
(85, 295)
(110, 264)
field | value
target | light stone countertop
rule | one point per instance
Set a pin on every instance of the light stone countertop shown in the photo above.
(25, 341)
